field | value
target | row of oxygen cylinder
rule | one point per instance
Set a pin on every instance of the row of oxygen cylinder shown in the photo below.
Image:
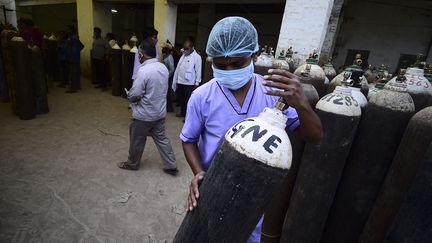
(366, 173)
(25, 76)
(369, 180)
(121, 66)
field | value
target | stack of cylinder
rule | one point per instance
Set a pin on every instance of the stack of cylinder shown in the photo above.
(321, 167)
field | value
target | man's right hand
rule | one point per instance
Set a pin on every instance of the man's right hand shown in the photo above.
(194, 191)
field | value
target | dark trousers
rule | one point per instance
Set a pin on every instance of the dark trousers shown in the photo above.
(184, 92)
(138, 132)
(64, 72)
(100, 68)
(75, 74)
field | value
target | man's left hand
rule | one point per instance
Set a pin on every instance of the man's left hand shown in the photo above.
(289, 87)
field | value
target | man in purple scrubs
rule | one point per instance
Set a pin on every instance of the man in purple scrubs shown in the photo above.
(237, 93)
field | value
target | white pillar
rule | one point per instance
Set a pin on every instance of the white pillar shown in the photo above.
(85, 33)
(165, 20)
(206, 20)
(304, 25)
(10, 13)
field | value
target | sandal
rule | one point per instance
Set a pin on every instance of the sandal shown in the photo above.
(125, 166)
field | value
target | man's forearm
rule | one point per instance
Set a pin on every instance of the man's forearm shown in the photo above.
(193, 157)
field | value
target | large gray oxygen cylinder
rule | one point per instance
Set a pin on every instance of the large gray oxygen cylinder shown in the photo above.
(252, 161)
(315, 74)
(321, 168)
(24, 98)
(116, 66)
(413, 146)
(418, 87)
(275, 213)
(380, 131)
(39, 82)
(413, 222)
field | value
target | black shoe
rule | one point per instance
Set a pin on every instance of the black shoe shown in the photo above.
(125, 166)
(173, 172)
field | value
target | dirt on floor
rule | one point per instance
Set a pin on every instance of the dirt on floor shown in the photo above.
(59, 181)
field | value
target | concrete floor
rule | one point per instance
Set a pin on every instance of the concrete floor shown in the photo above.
(59, 181)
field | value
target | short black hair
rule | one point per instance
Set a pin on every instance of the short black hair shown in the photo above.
(148, 49)
(190, 39)
(149, 32)
(97, 29)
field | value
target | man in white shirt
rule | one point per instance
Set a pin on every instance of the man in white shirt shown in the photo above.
(187, 75)
(148, 103)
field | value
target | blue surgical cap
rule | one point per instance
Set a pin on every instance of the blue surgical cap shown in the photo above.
(232, 37)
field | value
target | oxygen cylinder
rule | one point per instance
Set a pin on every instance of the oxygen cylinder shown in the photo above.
(369, 75)
(316, 75)
(126, 68)
(274, 215)
(356, 77)
(208, 70)
(380, 131)
(126, 47)
(428, 72)
(413, 146)
(280, 62)
(252, 161)
(264, 61)
(381, 80)
(38, 76)
(24, 99)
(321, 167)
(308, 89)
(337, 81)
(134, 49)
(116, 66)
(418, 87)
(133, 40)
(413, 222)
(52, 66)
(329, 70)
(292, 60)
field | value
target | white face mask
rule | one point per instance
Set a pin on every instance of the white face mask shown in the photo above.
(234, 79)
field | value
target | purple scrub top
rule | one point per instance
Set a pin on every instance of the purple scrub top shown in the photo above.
(212, 110)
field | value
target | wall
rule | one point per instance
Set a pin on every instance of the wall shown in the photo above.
(102, 17)
(11, 16)
(131, 19)
(387, 28)
(50, 18)
(265, 17)
(304, 25)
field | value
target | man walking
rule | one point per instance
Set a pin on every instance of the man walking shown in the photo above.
(187, 75)
(148, 103)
